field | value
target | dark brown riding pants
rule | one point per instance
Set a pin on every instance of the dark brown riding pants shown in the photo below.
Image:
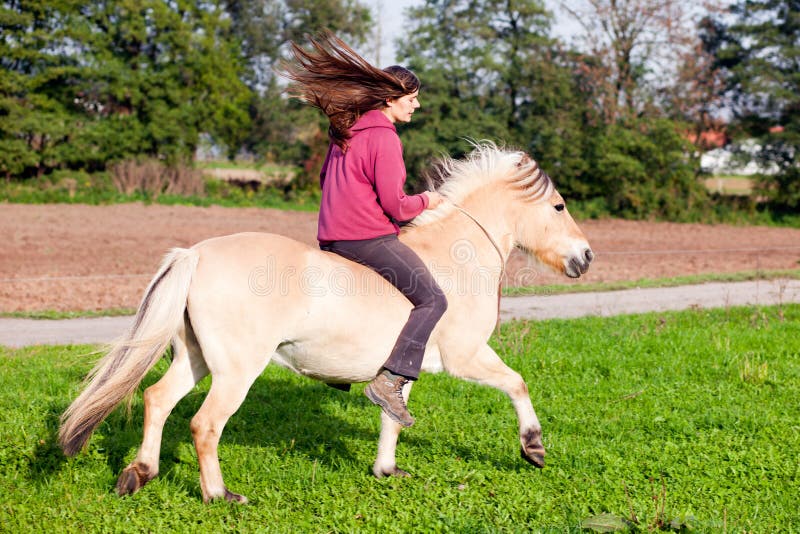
(404, 270)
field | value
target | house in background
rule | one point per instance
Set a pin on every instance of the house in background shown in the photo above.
(731, 166)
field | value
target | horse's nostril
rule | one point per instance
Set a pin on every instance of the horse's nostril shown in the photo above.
(588, 254)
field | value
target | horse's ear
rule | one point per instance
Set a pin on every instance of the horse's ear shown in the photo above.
(525, 160)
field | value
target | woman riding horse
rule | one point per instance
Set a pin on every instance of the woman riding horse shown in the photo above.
(230, 305)
(362, 193)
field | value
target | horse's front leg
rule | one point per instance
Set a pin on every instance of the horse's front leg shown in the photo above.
(486, 367)
(385, 463)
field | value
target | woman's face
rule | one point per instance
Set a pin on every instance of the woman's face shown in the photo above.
(401, 109)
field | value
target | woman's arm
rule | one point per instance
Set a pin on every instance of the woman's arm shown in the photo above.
(390, 176)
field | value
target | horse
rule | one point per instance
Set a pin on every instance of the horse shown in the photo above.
(230, 305)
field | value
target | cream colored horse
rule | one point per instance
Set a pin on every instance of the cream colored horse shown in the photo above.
(230, 305)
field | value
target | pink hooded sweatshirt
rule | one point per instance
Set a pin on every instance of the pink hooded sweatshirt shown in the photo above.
(362, 188)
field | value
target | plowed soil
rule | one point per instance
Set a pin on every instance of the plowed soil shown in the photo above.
(77, 257)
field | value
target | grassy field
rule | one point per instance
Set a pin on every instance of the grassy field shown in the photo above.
(658, 421)
(729, 185)
(97, 189)
(58, 314)
(267, 168)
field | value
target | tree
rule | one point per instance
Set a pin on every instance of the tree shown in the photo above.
(169, 70)
(697, 97)
(264, 27)
(644, 170)
(625, 41)
(490, 71)
(85, 83)
(34, 120)
(760, 52)
(282, 130)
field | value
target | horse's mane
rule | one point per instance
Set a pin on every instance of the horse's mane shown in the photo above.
(487, 163)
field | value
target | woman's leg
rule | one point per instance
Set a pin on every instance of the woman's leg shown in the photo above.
(405, 270)
(401, 266)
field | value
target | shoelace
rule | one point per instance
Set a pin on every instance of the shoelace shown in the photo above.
(399, 389)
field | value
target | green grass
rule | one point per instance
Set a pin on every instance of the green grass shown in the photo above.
(267, 168)
(690, 416)
(57, 314)
(742, 276)
(97, 189)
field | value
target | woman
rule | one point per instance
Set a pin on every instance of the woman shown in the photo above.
(362, 192)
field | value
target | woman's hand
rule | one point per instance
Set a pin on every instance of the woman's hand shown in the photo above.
(434, 199)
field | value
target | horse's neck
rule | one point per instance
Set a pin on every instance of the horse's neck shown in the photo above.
(459, 236)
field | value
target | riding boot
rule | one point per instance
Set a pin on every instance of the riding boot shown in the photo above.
(386, 390)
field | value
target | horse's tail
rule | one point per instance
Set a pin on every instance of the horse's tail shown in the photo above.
(117, 375)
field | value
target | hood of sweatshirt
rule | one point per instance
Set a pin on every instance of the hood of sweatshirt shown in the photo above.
(372, 119)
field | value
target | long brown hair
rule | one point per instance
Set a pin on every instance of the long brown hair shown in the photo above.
(334, 78)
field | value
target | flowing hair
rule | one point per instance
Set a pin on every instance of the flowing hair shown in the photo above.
(334, 78)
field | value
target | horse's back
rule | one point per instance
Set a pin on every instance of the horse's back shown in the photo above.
(272, 266)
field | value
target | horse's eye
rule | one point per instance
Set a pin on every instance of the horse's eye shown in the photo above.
(559, 207)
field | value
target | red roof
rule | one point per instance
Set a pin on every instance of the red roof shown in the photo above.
(709, 138)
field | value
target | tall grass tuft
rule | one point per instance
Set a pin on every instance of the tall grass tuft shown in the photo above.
(753, 371)
(152, 178)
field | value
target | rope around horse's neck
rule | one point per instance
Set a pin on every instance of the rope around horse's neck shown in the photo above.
(499, 253)
(489, 236)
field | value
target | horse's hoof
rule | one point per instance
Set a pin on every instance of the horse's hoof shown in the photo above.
(532, 450)
(394, 472)
(535, 459)
(235, 497)
(128, 482)
(399, 473)
(133, 478)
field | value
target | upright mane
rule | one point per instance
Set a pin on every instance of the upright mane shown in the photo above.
(484, 165)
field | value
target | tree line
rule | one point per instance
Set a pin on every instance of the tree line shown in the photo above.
(616, 115)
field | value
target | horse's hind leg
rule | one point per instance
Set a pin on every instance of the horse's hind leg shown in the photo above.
(186, 370)
(233, 372)
(385, 463)
(487, 368)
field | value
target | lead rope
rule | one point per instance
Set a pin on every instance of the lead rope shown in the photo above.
(499, 253)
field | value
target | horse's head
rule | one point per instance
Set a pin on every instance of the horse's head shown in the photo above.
(510, 194)
(543, 226)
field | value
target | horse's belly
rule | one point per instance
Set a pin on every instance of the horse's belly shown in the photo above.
(330, 361)
(343, 363)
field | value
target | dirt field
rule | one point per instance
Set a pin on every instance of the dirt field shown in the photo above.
(75, 257)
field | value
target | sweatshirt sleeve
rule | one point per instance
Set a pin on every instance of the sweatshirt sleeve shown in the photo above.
(390, 176)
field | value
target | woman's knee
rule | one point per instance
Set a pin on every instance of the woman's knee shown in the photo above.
(439, 303)
(431, 298)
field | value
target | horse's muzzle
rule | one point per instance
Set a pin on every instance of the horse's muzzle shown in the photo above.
(577, 265)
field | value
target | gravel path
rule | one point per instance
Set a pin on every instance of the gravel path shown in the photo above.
(23, 332)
